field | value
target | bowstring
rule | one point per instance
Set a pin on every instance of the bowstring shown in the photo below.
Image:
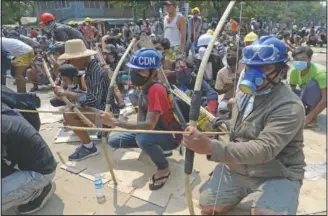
(234, 95)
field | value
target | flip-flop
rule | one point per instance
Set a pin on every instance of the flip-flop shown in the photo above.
(153, 186)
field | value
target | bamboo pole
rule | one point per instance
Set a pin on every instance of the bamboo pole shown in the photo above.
(139, 131)
(108, 107)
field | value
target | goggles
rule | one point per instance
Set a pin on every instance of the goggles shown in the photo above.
(264, 52)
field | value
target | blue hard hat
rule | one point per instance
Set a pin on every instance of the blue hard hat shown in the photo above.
(266, 50)
(145, 58)
(13, 34)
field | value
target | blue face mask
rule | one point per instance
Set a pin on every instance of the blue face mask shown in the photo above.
(252, 80)
(300, 65)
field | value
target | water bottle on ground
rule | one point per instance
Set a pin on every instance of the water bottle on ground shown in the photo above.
(101, 198)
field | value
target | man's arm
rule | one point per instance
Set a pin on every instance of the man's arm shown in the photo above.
(103, 41)
(320, 106)
(182, 28)
(281, 127)
(149, 124)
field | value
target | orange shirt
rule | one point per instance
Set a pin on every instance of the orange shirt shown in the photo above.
(234, 26)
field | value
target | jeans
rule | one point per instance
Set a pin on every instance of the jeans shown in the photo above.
(189, 46)
(152, 144)
(22, 187)
(310, 94)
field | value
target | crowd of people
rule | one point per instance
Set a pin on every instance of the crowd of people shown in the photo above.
(260, 77)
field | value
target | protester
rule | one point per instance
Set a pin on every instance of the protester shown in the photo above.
(90, 32)
(67, 73)
(227, 78)
(155, 112)
(27, 165)
(311, 78)
(175, 28)
(194, 24)
(97, 82)
(186, 82)
(264, 156)
(59, 32)
(24, 55)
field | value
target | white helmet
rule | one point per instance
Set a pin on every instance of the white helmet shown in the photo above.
(204, 40)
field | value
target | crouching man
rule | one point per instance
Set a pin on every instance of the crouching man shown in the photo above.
(155, 112)
(29, 186)
(97, 83)
(265, 155)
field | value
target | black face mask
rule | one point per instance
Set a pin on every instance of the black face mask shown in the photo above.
(137, 79)
(231, 61)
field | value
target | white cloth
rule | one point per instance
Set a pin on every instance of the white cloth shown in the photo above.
(15, 47)
(171, 30)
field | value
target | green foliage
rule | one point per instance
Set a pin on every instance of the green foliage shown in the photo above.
(13, 11)
(268, 10)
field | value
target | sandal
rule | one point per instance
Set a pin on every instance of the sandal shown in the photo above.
(154, 185)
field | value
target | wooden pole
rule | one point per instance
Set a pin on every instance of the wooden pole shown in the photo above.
(139, 131)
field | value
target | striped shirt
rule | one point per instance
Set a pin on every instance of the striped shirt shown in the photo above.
(97, 82)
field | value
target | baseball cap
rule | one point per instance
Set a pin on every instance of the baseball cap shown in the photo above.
(171, 2)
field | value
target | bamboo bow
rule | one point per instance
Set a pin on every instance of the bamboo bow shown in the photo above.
(196, 104)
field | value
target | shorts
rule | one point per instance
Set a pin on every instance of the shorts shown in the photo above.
(278, 195)
(24, 60)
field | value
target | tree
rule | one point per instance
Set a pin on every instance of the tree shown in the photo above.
(13, 11)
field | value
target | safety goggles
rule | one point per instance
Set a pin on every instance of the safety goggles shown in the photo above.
(264, 52)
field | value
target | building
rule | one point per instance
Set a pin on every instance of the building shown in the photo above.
(105, 13)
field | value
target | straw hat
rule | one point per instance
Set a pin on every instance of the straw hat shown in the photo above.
(76, 49)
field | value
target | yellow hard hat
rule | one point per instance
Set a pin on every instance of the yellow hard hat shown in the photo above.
(71, 23)
(88, 19)
(250, 37)
(210, 32)
(119, 34)
(294, 26)
(196, 9)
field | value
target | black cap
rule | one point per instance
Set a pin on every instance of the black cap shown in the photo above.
(68, 70)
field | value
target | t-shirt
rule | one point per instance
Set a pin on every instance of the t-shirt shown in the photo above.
(24, 145)
(156, 99)
(317, 72)
(226, 77)
(15, 47)
(234, 26)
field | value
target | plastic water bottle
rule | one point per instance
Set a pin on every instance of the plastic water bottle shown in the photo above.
(101, 198)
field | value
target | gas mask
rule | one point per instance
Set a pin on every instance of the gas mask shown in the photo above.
(252, 80)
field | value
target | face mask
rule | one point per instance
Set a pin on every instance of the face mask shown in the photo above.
(252, 80)
(300, 65)
(183, 77)
(231, 61)
(137, 79)
(195, 16)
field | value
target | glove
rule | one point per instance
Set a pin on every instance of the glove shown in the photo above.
(216, 122)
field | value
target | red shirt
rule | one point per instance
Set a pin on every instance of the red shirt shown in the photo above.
(158, 101)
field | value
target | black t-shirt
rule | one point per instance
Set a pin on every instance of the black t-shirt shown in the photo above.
(65, 33)
(24, 145)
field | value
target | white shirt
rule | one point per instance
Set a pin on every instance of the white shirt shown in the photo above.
(171, 30)
(15, 47)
